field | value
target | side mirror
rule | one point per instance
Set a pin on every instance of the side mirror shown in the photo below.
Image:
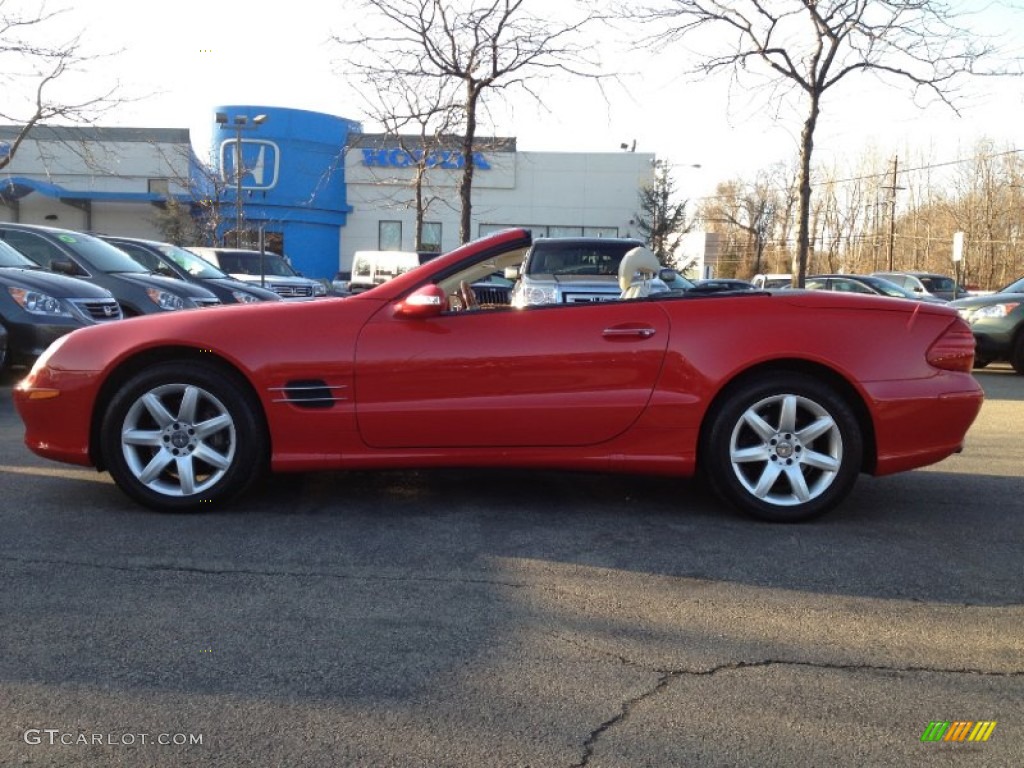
(426, 301)
(667, 275)
(64, 267)
(511, 273)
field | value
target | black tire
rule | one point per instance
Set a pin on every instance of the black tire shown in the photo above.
(761, 454)
(1017, 354)
(183, 437)
(981, 362)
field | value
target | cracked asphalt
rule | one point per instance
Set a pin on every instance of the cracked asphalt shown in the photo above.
(518, 619)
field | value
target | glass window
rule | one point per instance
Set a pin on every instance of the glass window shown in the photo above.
(141, 255)
(389, 235)
(565, 231)
(33, 246)
(600, 231)
(431, 240)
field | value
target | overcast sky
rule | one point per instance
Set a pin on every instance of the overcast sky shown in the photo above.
(182, 58)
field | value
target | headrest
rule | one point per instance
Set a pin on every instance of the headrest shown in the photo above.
(638, 259)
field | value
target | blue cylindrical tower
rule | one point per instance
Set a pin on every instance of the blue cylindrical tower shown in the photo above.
(292, 179)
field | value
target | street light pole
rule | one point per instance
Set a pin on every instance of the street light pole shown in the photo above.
(241, 122)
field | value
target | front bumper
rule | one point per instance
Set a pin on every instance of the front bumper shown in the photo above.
(57, 426)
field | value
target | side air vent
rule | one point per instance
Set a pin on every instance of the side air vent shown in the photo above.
(310, 393)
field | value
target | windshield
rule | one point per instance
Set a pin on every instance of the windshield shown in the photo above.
(191, 263)
(888, 287)
(99, 254)
(575, 258)
(9, 257)
(933, 284)
(248, 263)
(1015, 287)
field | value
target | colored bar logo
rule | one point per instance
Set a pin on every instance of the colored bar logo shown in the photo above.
(958, 730)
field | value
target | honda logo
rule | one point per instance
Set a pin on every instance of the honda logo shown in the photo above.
(261, 162)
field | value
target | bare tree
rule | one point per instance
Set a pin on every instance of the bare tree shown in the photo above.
(479, 46)
(750, 211)
(399, 105)
(31, 65)
(814, 45)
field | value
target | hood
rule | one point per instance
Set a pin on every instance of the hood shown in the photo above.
(52, 284)
(231, 284)
(178, 287)
(986, 301)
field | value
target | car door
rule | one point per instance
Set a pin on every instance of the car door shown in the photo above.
(560, 375)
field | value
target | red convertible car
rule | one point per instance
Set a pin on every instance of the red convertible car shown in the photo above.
(781, 400)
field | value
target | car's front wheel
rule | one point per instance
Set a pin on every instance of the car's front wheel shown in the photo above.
(785, 448)
(1017, 355)
(179, 437)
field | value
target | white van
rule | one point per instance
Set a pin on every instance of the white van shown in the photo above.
(371, 268)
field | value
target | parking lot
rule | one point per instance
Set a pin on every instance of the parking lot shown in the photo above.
(514, 618)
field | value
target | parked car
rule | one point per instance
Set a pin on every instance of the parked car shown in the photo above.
(926, 283)
(869, 284)
(186, 414)
(137, 290)
(997, 322)
(771, 280)
(172, 261)
(266, 270)
(569, 270)
(723, 284)
(38, 307)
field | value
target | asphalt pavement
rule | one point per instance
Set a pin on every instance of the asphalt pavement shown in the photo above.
(508, 618)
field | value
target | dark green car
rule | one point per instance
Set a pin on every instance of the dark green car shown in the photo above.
(997, 321)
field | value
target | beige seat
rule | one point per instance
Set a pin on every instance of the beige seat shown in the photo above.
(637, 273)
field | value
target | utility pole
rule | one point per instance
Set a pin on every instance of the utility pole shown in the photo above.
(892, 210)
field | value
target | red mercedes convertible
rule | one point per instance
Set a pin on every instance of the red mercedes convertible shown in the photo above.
(780, 399)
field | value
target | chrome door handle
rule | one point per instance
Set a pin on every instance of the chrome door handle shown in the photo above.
(643, 333)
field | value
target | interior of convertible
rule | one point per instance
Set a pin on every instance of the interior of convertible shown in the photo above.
(637, 276)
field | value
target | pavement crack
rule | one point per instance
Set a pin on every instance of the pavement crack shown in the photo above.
(666, 677)
(624, 712)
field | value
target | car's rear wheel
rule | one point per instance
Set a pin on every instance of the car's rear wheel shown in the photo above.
(785, 448)
(180, 437)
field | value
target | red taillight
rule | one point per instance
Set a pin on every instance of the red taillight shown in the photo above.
(954, 349)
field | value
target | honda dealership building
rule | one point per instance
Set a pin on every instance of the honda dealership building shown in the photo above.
(314, 184)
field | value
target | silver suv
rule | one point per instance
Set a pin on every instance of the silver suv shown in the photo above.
(276, 273)
(568, 270)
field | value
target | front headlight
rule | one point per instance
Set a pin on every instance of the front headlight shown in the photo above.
(996, 311)
(320, 289)
(536, 295)
(244, 298)
(37, 303)
(165, 299)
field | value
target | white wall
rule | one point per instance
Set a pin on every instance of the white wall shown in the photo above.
(537, 189)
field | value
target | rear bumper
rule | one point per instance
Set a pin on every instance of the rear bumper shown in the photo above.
(922, 422)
